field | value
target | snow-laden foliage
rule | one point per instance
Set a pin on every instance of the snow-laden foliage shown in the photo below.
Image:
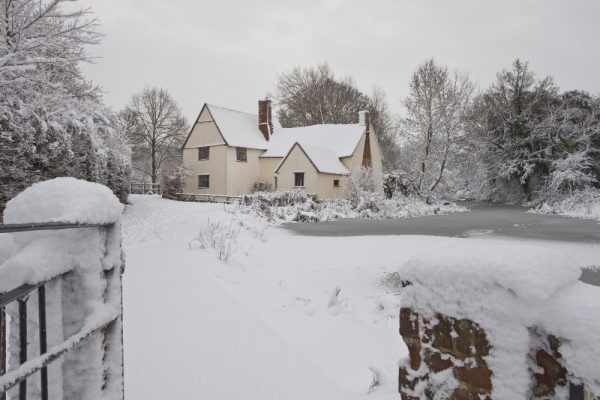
(398, 182)
(583, 203)
(261, 187)
(52, 121)
(361, 183)
(535, 144)
(296, 206)
(173, 180)
(519, 141)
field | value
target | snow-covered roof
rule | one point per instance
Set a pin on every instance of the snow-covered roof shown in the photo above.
(323, 158)
(341, 139)
(323, 144)
(238, 128)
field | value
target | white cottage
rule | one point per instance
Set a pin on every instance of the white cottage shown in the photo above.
(229, 151)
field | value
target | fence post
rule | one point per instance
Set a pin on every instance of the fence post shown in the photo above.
(2, 346)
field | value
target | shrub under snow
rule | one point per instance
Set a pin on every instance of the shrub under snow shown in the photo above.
(581, 204)
(296, 206)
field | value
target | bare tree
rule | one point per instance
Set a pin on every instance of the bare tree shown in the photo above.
(313, 96)
(437, 119)
(386, 129)
(156, 130)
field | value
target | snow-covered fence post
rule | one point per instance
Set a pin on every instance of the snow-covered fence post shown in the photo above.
(63, 271)
(498, 322)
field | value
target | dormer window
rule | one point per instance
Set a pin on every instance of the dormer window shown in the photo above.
(241, 154)
(203, 153)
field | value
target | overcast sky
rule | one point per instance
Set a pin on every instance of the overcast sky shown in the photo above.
(229, 53)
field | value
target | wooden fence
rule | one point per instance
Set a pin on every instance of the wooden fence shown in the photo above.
(145, 188)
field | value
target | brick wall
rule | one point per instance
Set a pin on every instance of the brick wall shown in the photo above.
(460, 346)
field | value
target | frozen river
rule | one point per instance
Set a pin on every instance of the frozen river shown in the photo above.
(481, 220)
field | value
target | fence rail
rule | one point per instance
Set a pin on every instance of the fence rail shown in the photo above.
(143, 188)
(13, 228)
(20, 295)
(208, 198)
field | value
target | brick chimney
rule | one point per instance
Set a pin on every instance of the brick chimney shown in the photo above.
(363, 119)
(265, 124)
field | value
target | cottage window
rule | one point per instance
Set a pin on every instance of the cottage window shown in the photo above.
(241, 154)
(203, 153)
(336, 183)
(203, 181)
(299, 179)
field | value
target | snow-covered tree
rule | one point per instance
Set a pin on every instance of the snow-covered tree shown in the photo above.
(510, 110)
(156, 129)
(437, 119)
(52, 121)
(570, 131)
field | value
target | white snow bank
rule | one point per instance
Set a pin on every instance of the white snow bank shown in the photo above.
(583, 204)
(507, 290)
(64, 200)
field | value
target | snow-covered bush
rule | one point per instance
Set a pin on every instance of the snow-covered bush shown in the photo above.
(173, 181)
(362, 183)
(398, 181)
(297, 206)
(261, 187)
(219, 236)
(583, 203)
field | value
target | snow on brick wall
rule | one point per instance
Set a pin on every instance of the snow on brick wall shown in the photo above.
(498, 321)
(87, 297)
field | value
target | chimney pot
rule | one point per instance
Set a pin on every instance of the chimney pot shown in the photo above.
(363, 118)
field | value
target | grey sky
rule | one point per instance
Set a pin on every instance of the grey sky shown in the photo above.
(229, 52)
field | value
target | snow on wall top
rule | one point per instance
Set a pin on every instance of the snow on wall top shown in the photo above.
(238, 128)
(507, 290)
(324, 159)
(341, 139)
(532, 273)
(64, 200)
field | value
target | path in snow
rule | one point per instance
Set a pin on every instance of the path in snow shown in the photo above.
(185, 337)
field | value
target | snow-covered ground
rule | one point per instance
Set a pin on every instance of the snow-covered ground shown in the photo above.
(259, 326)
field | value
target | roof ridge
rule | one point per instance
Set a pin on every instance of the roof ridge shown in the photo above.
(309, 126)
(302, 143)
(229, 109)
